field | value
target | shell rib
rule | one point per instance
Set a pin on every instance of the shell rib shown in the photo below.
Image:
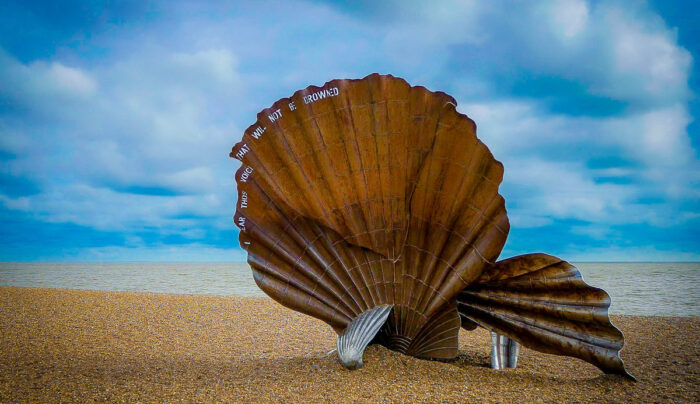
(543, 303)
(370, 192)
(361, 331)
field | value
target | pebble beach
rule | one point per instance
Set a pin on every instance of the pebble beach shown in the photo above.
(60, 345)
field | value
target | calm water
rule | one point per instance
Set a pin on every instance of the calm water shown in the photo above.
(665, 289)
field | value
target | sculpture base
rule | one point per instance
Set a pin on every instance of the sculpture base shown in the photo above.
(351, 345)
(504, 352)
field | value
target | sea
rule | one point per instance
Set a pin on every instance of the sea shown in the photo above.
(636, 288)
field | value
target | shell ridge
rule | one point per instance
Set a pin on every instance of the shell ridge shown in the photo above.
(301, 282)
(417, 323)
(266, 242)
(355, 230)
(361, 206)
(532, 279)
(339, 104)
(341, 227)
(312, 249)
(309, 109)
(300, 242)
(439, 333)
(355, 268)
(368, 324)
(348, 265)
(575, 311)
(582, 330)
(433, 326)
(408, 204)
(425, 164)
(341, 262)
(277, 289)
(435, 343)
(560, 294)
(363, 209)
(469, 244)
(429, 270)
(408, 292)
(437, 338)
(455, 282)
(353, 178)
(473, 231)
(423, 172)
(380, 197)
(512, 317)
(352, 343)
(260, 164)
(367, 263)
(310, 191)
(495, 276)
(291, 257)
(442, 275)
(403, 297)
(291, 162)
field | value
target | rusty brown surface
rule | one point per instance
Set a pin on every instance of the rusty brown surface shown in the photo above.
(381, 194)
(367, 192)
(542, 302)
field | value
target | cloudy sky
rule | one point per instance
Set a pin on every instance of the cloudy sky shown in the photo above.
(116, 118)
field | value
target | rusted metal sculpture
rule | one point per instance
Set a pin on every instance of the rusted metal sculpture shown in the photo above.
(543, 303)
(371, 205)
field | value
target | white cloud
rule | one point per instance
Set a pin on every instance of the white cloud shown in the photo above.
(563, 190)
(161, 112)
(515, 126)
(156, 124)
(218, 64)
(568, 17)
(625, 53)
(657, 138)
(69, 80)
(649, 56)
(43, 87)
(630, 55)
(105, 209)
(193, 180)
(546, 160)
(426, 25)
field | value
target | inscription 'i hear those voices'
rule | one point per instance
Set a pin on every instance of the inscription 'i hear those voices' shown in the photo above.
(244, 199)
(246, 173)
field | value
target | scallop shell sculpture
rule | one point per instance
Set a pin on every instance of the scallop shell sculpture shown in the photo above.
(371, 205)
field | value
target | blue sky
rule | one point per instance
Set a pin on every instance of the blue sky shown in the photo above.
(116, 118)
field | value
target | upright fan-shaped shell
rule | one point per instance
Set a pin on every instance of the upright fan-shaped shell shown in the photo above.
(366, 193)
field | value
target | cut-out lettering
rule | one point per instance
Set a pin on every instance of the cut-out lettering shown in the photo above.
(319, 95)
(277, 114)
(242, 151)
(244, 199)
(246, 173)
(258, 132)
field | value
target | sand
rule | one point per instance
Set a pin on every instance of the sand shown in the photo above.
(83, 346)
